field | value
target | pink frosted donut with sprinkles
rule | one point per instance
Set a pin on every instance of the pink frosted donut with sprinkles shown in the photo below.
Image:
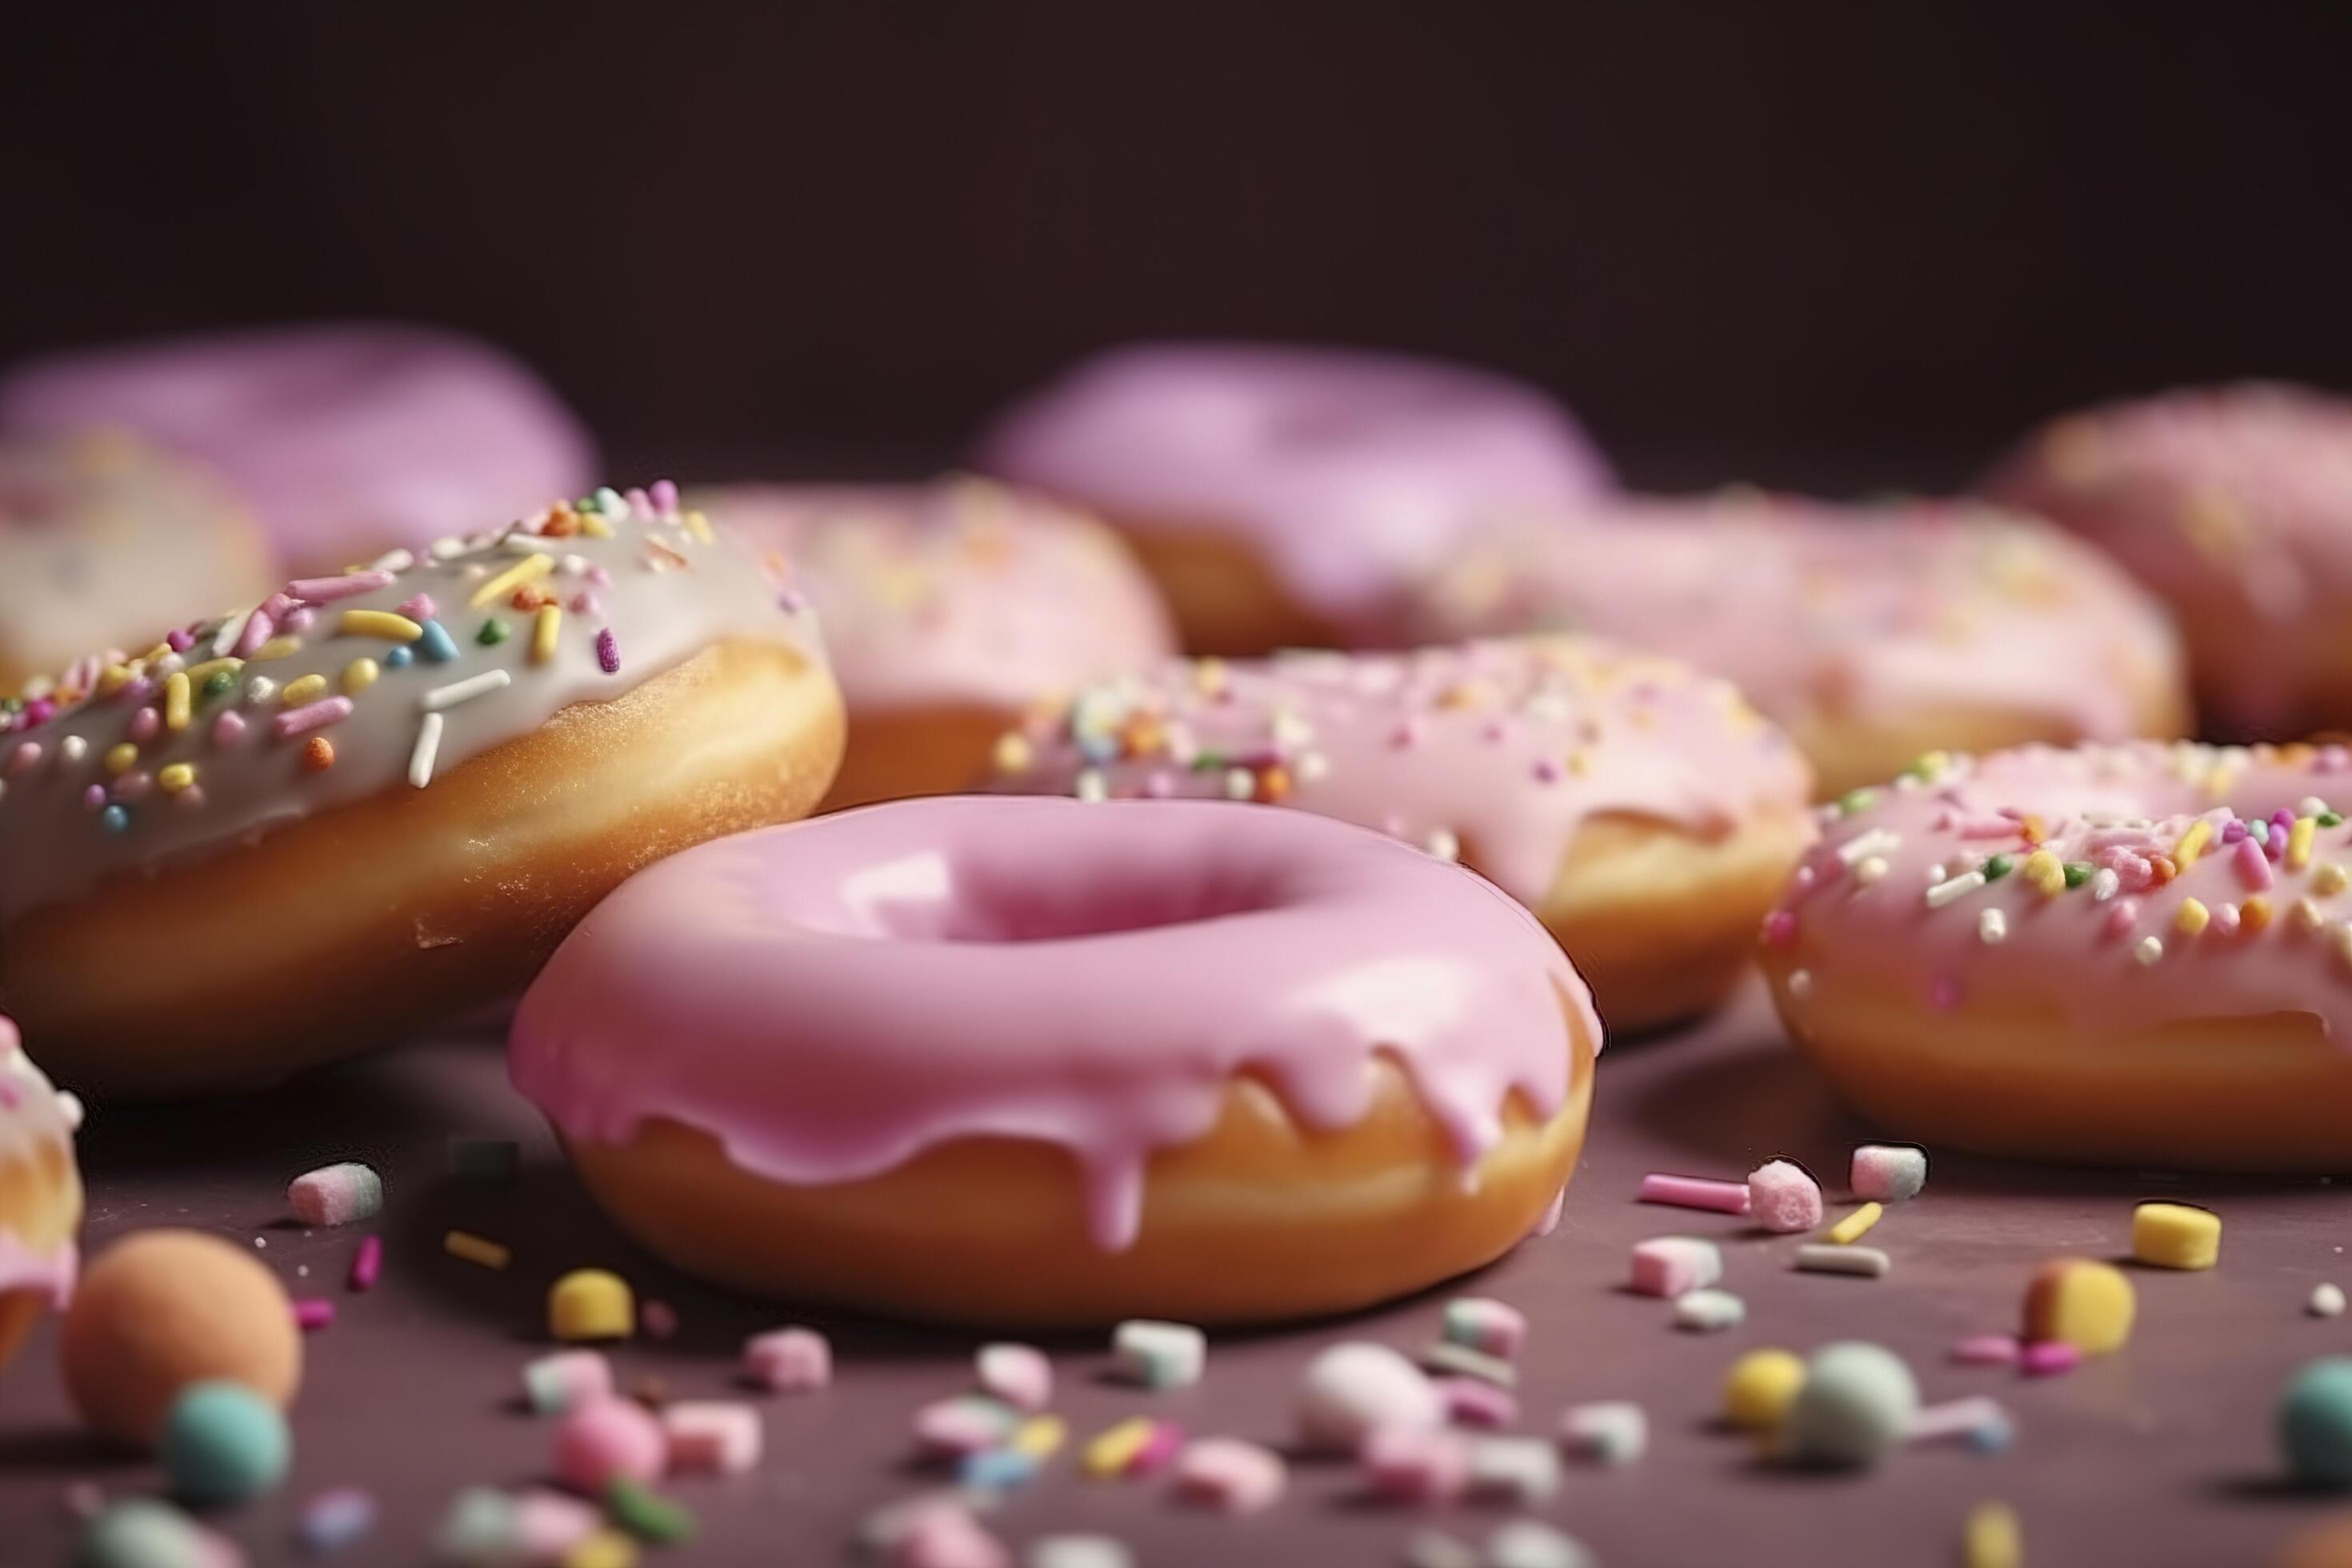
(948, 610)
(1643, 812)
(2135, 955)
(1287, 496)
(2234, 505)
(40, 1193)
(1870, 633)
(346, 438)
(380, 796)
(102, 538)
(1031, 1061)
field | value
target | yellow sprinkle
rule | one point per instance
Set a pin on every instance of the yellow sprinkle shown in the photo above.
(2307, 914)
(176, 777)
(1208, 674)
(1040, 1437)
(175, 702)
(2298, 842)
(359, 675)
(276, 647)
(591, 1304)
(594, 526)
(380, 624)
(1111, 1452)
(200, 673)
(1992, 1539)
(309, 688)
(2254, 914)
(156, 655)
(1014, 753)
(2031, 828)
(2044, 872)
(698, 525)
(113, 678)
(2191, 917)
(1855, 1225)
(605, 1548)
(473, 1248)
(2328, 878)
(544, 632)
(121, 757)
(2193, 844)
(530, 569)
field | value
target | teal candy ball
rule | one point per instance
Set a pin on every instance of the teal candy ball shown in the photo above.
(223, 1443)
(2314, 1423)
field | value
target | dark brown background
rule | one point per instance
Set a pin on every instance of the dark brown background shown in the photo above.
(1853, 244)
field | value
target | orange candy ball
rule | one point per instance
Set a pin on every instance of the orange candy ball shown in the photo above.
(163, 1308)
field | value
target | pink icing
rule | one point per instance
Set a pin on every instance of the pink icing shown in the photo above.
(51, 1274)
(2273, 937)
(1352, 473)
(346, 438)
(34, 1120)
(2234, 503)
(831, 998)
(1818, 610)
(959, 592)
(1505, 747)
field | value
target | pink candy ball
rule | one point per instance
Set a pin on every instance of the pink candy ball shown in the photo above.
(608, 1439)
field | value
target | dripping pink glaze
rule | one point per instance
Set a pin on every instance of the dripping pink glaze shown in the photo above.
(346, 438)
(2234, 503)
(1818, 610)
(1351, 473)
(959, 592)
(1507, 746)
(2109, 807)
(34, 1121)
(832, 999)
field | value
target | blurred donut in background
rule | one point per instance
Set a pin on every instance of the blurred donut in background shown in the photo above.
(104, 543)
(345, 439)
(2234, 504)
(1872, 634)
(949, 611)
(1287, 496)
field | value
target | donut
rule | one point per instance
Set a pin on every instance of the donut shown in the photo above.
(992, 1059)
(1870, 633)
(40, 1193)
(102, 538)
(2234, 505)
(377, 798)
(2131, 954)
(346, 439)
(1646, 814)
(1287, 496)
(948, 610)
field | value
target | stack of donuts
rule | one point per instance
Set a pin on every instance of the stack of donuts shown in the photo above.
(1271, 768)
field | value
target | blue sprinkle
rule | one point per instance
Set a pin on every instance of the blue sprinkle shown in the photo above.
(1991, 1436)
(996, 1470)
(1098, 748)
(335, 1519)
(115, 819)
(399, 657)
(437, 643)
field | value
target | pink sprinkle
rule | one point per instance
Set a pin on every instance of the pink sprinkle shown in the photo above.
(2252, 867)
(179, 640)
(313, 1312)
(1230, 1476)
(584, 602)
(1475, 1402)
(277, 605)
(1414, 1464)
(1166, 1439)
(710, 1437)
(134, 786)
(418, 607)
(258, 628)
(2047, 1358)
(1784, 1197)
(948, 1538)
(1956, 1418)
(1670, 1266)
(1547, 771)
(640, 503)
(326, 590)
(94, 798)
(1987, 1350)
(1407, 734)
(1693, 1193)
(227, 728)
(367, 1263)
(608, 652)
(950, 1429)
(2122, 915)
(547, 1525)
(1780, 927)
(1550, 1220)
(336, 1194)
(299, 618)
(27, 755)
(2233, 831)
(788, 1361)
(145, 725)
(602, 1442)
(311, 716)
(600, 574)
(189, 801)
(2225, 917)
(1018, 1374)
(658, 1319)
(664, 496)
(1943, 993)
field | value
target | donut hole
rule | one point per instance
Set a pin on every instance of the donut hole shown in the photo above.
(931, 897)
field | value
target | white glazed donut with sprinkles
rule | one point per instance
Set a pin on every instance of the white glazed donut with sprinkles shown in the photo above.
(378, 796)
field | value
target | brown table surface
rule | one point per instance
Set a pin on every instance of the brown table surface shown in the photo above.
(2159, 1454)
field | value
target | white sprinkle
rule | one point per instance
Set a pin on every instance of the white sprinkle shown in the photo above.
(2310, 805)
(1943, 892)
(393, 560)
(2149, 950)
(1992, 926)
(428, 747)
(445, 549)
(231, 629)
(466, 691)
(73, 749)
(1240, 783)
(1825, 1257)
(260, 691)
(573, 565)
(1443, 844)
(521, 543)
(1312, 765)
(1937, 872)
(1704, 1311)
(1800, 984)
(1092, 786)
(2104, 884)
(1877, 841)
(70, 1107)
(1870, 871)
(2326, 1301)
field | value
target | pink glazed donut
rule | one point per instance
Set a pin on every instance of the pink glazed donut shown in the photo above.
(346, 440)
(1645, 813)
(40, 1193)
(1035, 1061)
(948, 610)
(2136, 954)
(1871, 633)
(2233, 504)
(1287, 497)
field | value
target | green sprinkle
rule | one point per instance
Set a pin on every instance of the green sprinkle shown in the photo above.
(2331, 820)
(1856, 800)
(2259, 831)
(493, 632)
(1997, 867)
(2077, 873)
(1209, 763)
(647, 1515)
(220, 683)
